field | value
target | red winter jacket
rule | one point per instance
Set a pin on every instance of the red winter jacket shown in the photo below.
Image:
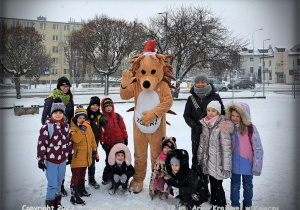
(114, 132)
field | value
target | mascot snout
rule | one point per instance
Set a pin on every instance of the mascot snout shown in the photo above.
(146, 84)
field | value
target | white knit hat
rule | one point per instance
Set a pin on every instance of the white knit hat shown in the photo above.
(216, 105)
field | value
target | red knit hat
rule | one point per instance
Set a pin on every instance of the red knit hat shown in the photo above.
(150, 47)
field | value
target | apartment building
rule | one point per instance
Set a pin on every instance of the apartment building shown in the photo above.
(54, 35)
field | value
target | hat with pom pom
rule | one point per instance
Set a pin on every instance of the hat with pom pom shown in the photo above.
(57, 105)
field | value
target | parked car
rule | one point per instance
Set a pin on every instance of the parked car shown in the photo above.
(242, 84)
(218, 85)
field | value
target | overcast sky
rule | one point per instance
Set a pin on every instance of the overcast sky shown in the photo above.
(278, 18)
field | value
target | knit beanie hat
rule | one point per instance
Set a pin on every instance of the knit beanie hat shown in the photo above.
(57, 105)
(216, 105)
(175, 161)
(80, 111)
(94, 100)
(201, 77)
(107, 102)
(167, 143)
(121, 151)
(63, 81)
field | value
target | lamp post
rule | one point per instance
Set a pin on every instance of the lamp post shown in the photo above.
(263, 66)
(166, 26)
(253, 47)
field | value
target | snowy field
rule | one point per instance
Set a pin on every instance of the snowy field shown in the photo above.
(23, 183)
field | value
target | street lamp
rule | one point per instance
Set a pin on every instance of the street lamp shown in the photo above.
(263, 66)
(166, 26)
(253, 47)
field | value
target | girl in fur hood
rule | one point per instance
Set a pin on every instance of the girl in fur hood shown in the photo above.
(159, 173)
(247, 153)
(120, 169)
(214, 151)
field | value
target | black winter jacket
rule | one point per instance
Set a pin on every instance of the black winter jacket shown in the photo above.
(115, 169)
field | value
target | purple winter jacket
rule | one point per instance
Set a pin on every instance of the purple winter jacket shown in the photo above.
(58, 147)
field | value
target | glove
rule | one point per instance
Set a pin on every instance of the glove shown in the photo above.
(255, 173)
(117, 178)
(95, 155)
(69, 160)
(123, 178)
(105, 147)
(226, 174)
(85, 125)
(103, 120)
(175, 192)
(42, 166)
(197, 128)
(126, 141)
(166, 187)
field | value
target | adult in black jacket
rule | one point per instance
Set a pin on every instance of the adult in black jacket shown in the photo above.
(185, 180)
(97, 120)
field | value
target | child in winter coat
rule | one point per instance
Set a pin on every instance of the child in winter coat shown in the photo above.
(114, 132)
(214, 151)
(53, 149)
(83, 145)
(159, 173)
(97, 120)
(247, 153)
(183, 182)
(120, 169)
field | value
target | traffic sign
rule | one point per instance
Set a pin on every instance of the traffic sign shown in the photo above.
(47, 70)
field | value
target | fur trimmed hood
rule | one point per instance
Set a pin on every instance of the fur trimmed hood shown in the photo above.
(227, 126)
(242, 108)
(112, 154)
(168, 139)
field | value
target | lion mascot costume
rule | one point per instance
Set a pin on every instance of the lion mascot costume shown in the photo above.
(147, 82)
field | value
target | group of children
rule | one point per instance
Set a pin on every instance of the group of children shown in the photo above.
(61, 143)
(229, 146)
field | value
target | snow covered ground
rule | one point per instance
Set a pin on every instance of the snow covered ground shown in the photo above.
(23, 183)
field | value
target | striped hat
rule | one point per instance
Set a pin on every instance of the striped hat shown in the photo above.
(57, 105)
(80, 111)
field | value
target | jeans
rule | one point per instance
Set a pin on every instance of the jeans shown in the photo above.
(55, 173)
(235, 189)
(92, 168)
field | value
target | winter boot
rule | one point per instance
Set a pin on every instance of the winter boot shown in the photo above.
(105, 181)
(126, 191)
(50, 203)
(75, 198)
(81, 189)
(112, 190)
(246, 207)
(93, 182)
(57, 203)
(62, 189)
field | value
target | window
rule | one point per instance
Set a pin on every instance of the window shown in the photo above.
(270, 74)
(15, 23)
(251, 59)
(43, 37)
(66, 49)
(55, 60)
(66, 61)
(250, 51)
(55, 26)
(29, 24)
(298, 62)
(43, 48)
(270, 63)
(251, 70)
(66, 27)
(55, 49)
(54, 71)
(42, 25)
(66, 71)
(76, 28)
(66, 38)
(55, 38)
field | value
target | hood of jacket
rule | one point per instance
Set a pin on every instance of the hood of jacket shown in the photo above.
(183, 156)
(112, 154)
(103, 110)
(242, 109)
(170, 139)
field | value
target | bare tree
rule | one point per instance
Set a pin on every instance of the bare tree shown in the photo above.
(197, 38)
(104, 42)
(22, 51)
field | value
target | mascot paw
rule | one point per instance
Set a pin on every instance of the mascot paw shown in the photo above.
(136, 186)
(148, 117)
(127, 78)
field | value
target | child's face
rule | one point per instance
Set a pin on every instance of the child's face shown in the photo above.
(80, 119)
(108, 108)
(235, 117)
(94, 107)
(58, 115)
(166, 149)
(175, 168)
(200, 84)
(211, 112)
(120, 157)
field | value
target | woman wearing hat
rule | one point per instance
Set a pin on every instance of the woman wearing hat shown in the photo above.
(62, 91)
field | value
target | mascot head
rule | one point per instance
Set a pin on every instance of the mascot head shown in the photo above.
(151, 68)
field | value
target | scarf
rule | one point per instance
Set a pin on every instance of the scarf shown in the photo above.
(119, 162)
(162, 156)
(58, 122)
(211, 122)
(64, 97)
(202, 92)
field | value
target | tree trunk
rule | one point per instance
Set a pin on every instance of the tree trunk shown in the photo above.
(175, 93)
(18, 87)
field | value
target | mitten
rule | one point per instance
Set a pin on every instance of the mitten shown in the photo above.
(85, 125)
(126, 141)
(42, 166)
(69, 160)
(175, 191)
(255, 173)
(103, 120)
(166, 187)
(116, 178)
(123, 178)
(197, 128)
(97, 156)
(226, 174)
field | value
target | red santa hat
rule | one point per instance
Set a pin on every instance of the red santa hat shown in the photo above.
(150, 48)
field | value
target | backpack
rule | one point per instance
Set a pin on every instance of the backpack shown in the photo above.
(250, 133)
(50, 129)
